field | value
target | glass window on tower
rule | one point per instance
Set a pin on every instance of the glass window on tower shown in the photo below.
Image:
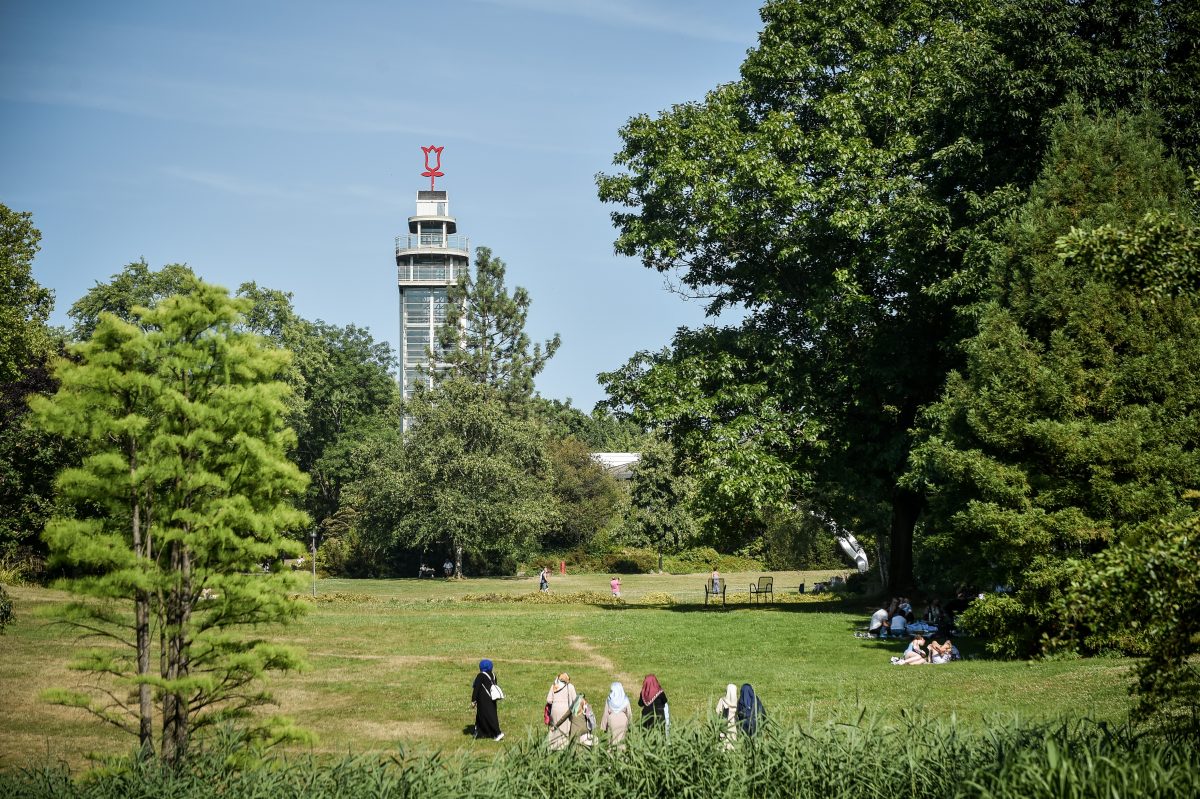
(432, 234)
(439, 305)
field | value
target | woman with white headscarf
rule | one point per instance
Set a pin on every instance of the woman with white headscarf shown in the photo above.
(727, 710)
(617, 715)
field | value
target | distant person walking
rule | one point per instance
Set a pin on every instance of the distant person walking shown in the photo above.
(653, 702)
(561, 703)
(544, 579)
(617, 715)
(615, 585)
(487, 721)
(448, 567)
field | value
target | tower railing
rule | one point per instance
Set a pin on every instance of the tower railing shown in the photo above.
(426, 272)
(420, 241)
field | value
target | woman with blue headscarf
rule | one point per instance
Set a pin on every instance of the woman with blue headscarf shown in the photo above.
(487, 722)
(750, 712)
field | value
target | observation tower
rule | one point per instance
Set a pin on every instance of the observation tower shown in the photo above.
(429, 259)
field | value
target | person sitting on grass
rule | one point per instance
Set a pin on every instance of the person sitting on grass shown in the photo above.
(914, 655)
(879, 622)
(898, 624)
(934, 614)
(942, 653)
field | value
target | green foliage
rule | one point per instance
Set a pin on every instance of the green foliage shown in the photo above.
(601, 431)
(1148, 587)
(660, 512)
(29, 459)
(474, 474)
(349, 397)
(24, 305)
(700, 560)
(853, 756)
(136, 286)
(1077, 414)
(484, 340)
(184, 489)
(841, 192)
(588, 497)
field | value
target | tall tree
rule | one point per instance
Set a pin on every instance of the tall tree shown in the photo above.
(183, 491)
(135, 286)
(1076, 417)
(475, 475)
(349, 390)
(484, 339)
(24, 305)
(589, 498)
(833, 191)
(29, 458)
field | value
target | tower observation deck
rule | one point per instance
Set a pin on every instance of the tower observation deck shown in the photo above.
(429, 259)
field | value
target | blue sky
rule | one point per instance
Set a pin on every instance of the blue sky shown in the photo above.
(280, 142)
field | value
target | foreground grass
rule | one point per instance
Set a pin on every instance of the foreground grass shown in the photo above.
(847, 758)
(391, 661)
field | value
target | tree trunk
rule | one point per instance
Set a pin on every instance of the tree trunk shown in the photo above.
(141, 610)
(176, 724)
(457, 561)
(906, 509)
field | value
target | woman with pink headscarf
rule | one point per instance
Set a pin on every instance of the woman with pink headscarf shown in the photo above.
(653, 702)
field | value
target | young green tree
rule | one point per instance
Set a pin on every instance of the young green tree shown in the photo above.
(184, 490)
(484, 339)
(475, 475)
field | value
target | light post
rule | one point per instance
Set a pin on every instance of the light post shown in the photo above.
(314, 561)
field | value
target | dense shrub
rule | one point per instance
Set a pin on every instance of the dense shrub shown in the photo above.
(705, 559)
(547, 598)
(856, 758)
(6, 609)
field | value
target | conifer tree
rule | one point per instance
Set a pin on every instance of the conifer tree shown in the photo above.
(183, 491)
(484, 339)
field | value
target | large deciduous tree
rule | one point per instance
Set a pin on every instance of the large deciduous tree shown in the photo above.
(835, 190)
(475, 475)
(1076, 416)
(29, 458)
(24, 305)
(183, 491)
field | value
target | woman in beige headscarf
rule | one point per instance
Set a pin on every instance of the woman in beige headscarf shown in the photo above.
(727, 710)
(561, 701)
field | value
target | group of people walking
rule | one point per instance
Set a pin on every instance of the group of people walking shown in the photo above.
(570, 717)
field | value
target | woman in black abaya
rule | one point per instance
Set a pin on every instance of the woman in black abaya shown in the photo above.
(487, 722)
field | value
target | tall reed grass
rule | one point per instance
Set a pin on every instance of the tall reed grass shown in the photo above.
(855, 758)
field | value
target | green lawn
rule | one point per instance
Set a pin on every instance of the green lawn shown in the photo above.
(391, 661)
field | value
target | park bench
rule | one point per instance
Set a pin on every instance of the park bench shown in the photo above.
(713, 590)
(765, 585)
